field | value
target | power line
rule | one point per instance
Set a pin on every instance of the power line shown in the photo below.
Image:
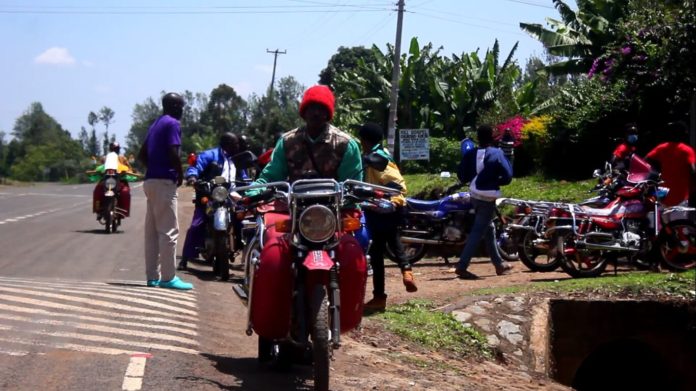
(530, 3)
(467, 24)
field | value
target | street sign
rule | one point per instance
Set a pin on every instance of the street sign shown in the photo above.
(414, 144)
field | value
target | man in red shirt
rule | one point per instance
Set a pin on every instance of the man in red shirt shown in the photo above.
(677, 163)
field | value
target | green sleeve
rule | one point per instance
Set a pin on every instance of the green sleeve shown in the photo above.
(277, 169)
(351, 166)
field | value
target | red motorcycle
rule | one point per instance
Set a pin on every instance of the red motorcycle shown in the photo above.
(307, 284)
(634, 225)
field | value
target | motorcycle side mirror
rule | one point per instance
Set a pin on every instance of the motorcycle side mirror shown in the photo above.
(376, 161)
(244, 159)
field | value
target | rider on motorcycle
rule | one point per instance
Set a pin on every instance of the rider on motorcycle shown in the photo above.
(120, 163)
(209, 164)
(382, 222)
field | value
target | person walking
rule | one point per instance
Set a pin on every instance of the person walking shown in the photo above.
(160, 154)
(487, 169)
(676, 161)
(383, 223)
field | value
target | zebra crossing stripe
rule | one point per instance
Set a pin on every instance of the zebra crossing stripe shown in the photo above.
(62, 345)
(124, 298)
(38, 311)
(101, 339)
(100, 329)
(68, 307)
(93, 302)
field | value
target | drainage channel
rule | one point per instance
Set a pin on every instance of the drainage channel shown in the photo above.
(622, 345)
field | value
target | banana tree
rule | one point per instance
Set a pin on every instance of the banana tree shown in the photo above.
(580, 36)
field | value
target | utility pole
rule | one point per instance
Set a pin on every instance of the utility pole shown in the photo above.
(391, 124)
(275, 59)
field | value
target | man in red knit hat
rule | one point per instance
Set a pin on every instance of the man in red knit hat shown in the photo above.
(316, 150)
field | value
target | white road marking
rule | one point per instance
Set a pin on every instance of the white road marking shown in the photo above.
(133, 379)
(149, 293)
(68, 307)
(68, 346)
(98, 303)
(19, 218)
(100, 329)
(102, 294)
(38, 311)
(101, 339)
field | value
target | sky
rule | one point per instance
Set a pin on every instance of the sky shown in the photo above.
(77, 56)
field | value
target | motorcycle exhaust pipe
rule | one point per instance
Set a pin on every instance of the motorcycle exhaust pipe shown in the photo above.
(406, 239)
(609, 247)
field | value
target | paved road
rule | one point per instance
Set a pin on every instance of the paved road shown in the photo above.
(75, 314)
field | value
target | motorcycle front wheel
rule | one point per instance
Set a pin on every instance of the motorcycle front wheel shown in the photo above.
(677, 245)
(221, 262)
(580, 263)
(109, 225)
(321, 335)
(413, 252)
(536, 257)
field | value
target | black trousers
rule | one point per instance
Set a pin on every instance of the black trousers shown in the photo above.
(383, 228)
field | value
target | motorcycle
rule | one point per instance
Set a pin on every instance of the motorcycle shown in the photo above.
(215, 196)
(526, 231)
(111, 200)
(300, 305)
(440, 227)
(634, 225)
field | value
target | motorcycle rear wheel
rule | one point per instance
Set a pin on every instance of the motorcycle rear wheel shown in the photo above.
(536, 259)
(580, 263)
(678, 250)
(413, 252)
(321, 335)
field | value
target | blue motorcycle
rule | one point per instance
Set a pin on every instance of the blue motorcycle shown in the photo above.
(441, 227)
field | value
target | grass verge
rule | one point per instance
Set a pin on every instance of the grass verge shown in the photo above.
(633, 283)
(418, 322)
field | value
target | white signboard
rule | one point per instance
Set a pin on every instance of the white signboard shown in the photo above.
(414, 144)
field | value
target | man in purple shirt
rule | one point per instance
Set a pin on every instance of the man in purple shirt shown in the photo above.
(160, 154)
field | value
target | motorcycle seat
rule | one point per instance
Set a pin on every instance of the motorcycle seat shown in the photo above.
(598, 211)
(422, 204)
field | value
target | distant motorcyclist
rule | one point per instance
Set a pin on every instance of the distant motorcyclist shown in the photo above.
(209, 164)
(623, 152)
(113, 161)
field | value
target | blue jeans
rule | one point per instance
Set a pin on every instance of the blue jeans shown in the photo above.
(482, 229)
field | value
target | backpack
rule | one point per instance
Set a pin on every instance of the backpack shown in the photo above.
(466, 170)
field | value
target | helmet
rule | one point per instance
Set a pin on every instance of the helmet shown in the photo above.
(114, 147)
(173, 104)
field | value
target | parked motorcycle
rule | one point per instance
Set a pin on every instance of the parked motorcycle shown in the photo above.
(527, 226)
(299, 306)
(634, 225)
(440, 228)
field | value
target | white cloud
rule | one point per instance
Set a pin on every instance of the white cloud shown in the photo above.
(55, 56)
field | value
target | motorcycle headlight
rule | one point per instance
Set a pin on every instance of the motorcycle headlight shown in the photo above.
(110, 183)
(220, 194)
(317, 223)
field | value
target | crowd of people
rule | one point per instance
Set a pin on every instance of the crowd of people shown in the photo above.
(320, 150)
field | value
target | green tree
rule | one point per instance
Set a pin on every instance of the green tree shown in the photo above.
(144, 114)
(106, 116)
(269, 117)
(345, 59)
(37, 127)
(226, 111)
(580, 36)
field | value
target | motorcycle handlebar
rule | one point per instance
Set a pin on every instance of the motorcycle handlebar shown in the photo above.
(263, 196)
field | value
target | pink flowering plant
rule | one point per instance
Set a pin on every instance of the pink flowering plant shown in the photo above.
(515, 125)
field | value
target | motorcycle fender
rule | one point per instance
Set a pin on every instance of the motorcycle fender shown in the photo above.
(352, 279)
(271, 296)
(318, 260)
(221, 219)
